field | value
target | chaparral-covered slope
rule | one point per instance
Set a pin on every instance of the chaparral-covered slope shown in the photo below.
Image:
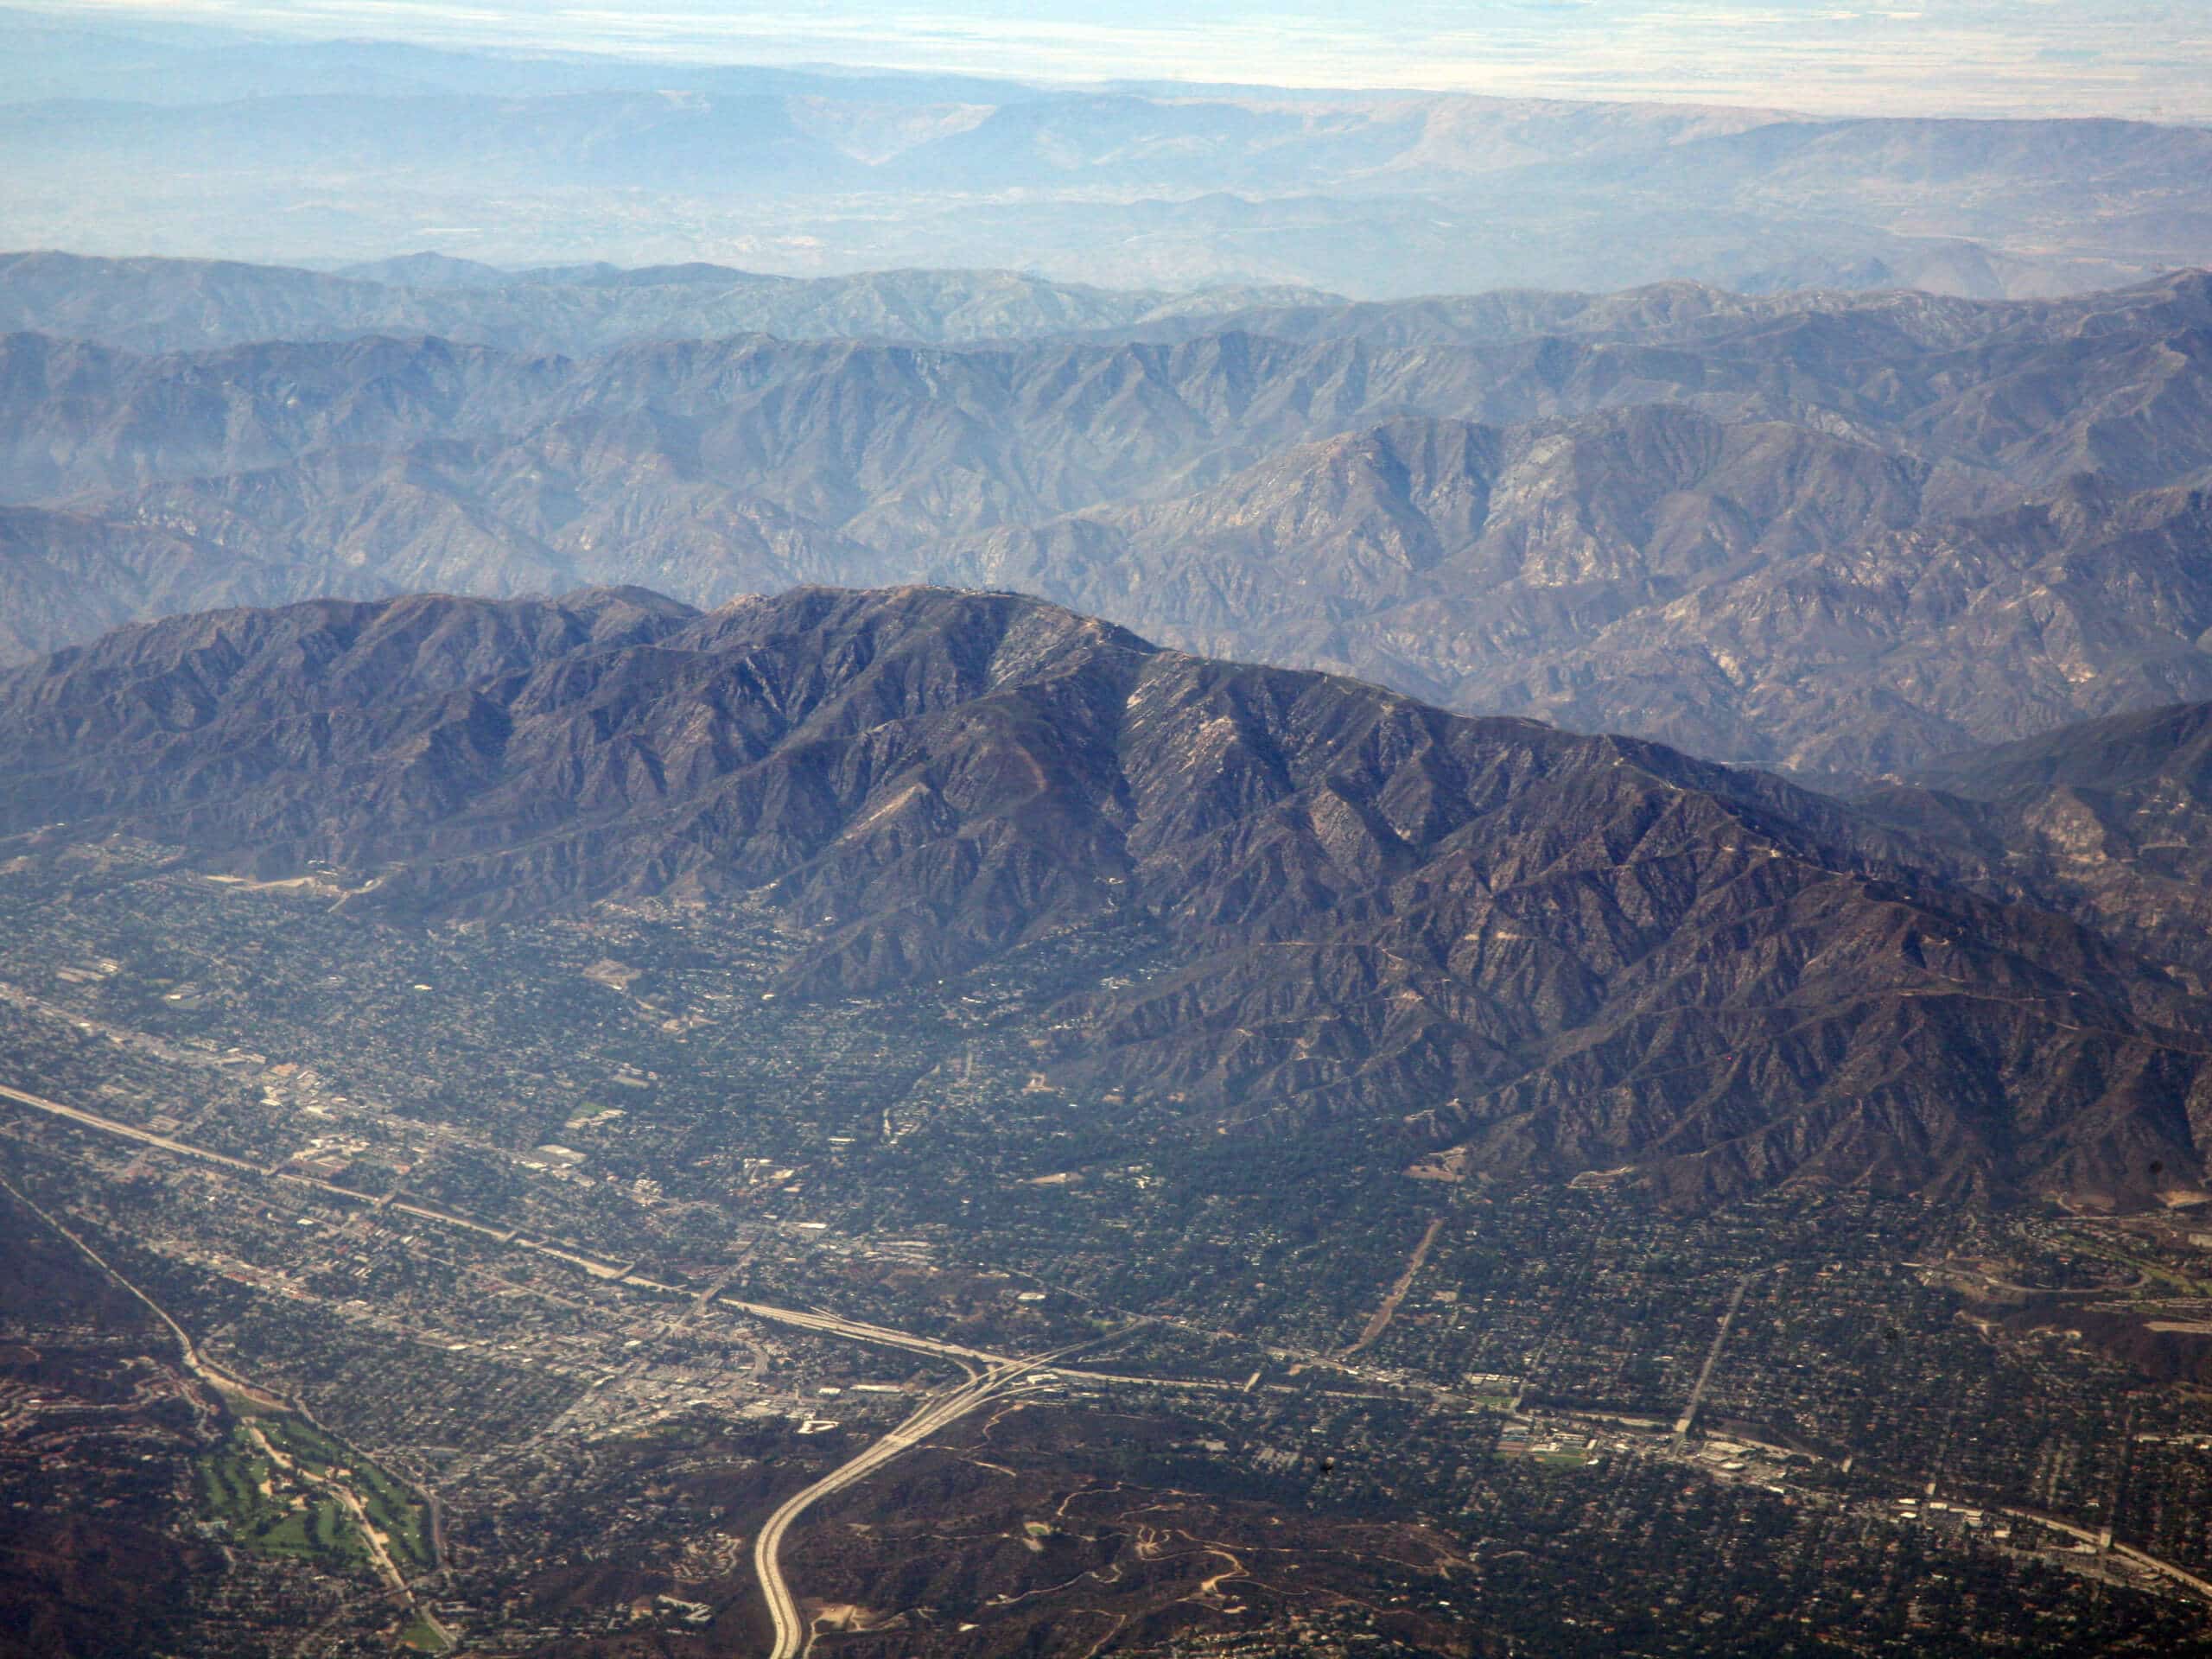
(1489, 939)
(1840, 533)
(2110, 820)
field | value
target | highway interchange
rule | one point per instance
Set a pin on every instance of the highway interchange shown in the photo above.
(946, 1409)
(988, 1374)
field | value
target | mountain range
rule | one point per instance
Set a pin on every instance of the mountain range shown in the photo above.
(1843, 534)
(170, 305)
(200, 142)
(2111, 819)
(1496, 945)
(799, 856)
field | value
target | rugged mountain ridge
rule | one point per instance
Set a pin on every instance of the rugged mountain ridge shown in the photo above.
(1033, 427)
(1759, 591)
(2109, 820)
(152, 306)
(1483, 939)
(1844, 536)
(167, 305)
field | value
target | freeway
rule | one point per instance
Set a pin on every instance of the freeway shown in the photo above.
(860, 1331)
(767, 1550)
(224, 1382)
(93, 1120)
(803, 1319)
(997, 1371)
(783, 1607)
(814, 1319)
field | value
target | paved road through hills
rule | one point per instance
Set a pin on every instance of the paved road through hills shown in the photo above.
(945, 1409)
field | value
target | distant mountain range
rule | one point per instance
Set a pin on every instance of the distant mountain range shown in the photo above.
(1502, 946)
(167, 305)
(1842, 533)
(358, 150)
(154, 305)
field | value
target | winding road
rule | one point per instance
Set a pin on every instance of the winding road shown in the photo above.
(791, 1632)
(990, 1374)
(222, 1382)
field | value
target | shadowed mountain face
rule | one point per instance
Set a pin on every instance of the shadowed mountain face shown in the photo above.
(2110, 820)
(1487, 940)
(1843, 534)
(1756, 590)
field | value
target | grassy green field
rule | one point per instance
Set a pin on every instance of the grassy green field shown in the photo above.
(276, 1512)
(294, 1511)
(231, 1480)
(423, 1638)
(393, 1511)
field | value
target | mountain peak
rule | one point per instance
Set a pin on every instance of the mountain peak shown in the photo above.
(1598, 950)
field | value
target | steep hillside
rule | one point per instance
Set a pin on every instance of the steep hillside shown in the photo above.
(2108, 819)
(1489, 938)
(1843, 536)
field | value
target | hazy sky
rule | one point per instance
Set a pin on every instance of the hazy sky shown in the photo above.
(2126, 57)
